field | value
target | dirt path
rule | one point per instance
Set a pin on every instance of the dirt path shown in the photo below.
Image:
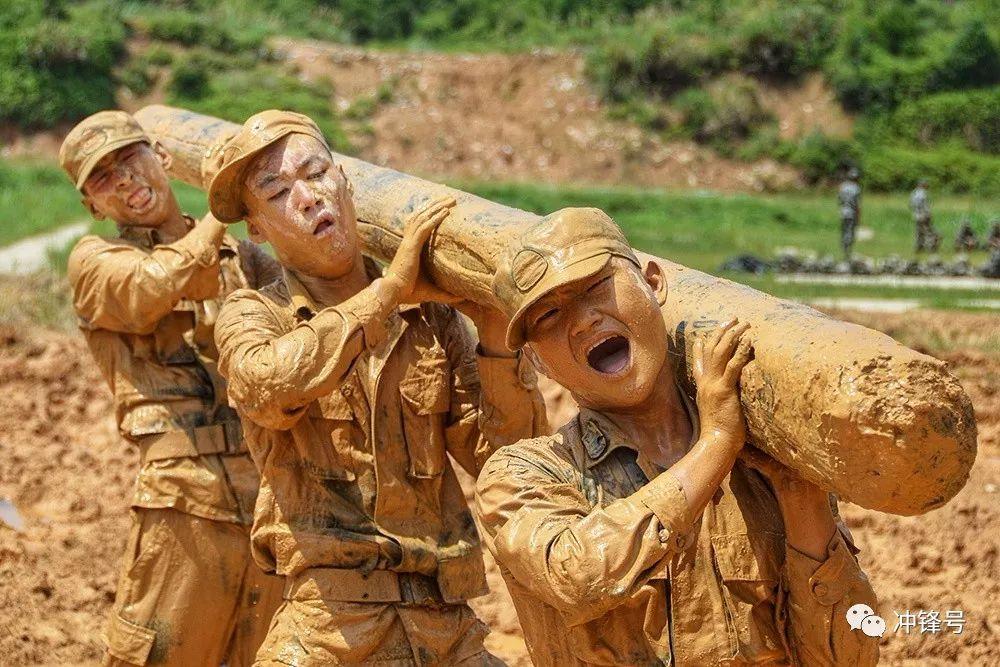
(32, 254)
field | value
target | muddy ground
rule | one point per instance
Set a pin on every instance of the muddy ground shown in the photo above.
(64, 468)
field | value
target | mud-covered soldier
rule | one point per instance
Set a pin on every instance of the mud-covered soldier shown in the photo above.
(352, 401)
(641, 533)
(849, 202)
(927, 237)
(189, 592)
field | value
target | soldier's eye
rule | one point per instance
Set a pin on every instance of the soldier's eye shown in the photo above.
(602, 281)
(548, 315)
(278, 195)
(318, 174)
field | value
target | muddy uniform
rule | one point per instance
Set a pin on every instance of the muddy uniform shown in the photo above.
(351, 421)
(849, 200)
(920, 206)
(189, 593)
(605, 568)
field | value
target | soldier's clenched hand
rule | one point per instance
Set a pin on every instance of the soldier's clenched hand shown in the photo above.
(404, 274)
(718, 362)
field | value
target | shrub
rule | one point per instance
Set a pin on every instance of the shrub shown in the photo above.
(950, 168)
(190, 77)
(971, 61)
(972, 117)
(56, 61)
(237, 94)
(820, 157)
(785, 41)
(726, 111)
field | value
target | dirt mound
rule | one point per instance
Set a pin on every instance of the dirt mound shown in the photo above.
(69, 476)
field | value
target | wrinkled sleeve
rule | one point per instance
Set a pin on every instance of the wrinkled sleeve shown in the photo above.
(818, 595)
(276, 369)
(580, 560)
(119, 287)
(494, 400)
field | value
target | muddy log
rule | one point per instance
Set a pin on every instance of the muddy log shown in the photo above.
(849, 408)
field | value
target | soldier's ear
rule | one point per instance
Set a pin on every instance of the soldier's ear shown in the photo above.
(254, 233)
(653, 274)
(166, 159)
(88, 204)
(535, 360)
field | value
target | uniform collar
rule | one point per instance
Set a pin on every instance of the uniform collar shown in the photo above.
(149, 237)
(600, 435)
(305, 305)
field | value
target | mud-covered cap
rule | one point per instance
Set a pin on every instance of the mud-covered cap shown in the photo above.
(93, 138)
(260, 131)
(568, 245)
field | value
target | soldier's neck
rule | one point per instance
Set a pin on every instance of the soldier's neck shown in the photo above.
(172, 226)
(659, 427)
(328, 292)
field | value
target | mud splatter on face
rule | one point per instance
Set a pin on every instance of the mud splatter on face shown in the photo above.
(603, 336)
(299, 202)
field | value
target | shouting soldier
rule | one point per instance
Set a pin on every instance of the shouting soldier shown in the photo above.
(189, 592)
(644, 532)
(354, 390)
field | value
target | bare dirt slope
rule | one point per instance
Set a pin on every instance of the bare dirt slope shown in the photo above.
(65, 470)
(511, 117)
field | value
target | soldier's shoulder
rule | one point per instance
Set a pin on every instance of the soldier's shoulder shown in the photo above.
(273, 297)
(88, 248)
(548, 457)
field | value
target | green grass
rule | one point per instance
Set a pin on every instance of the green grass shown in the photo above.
(698, 229)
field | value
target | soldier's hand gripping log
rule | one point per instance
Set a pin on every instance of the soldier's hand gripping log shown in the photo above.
(846, 407)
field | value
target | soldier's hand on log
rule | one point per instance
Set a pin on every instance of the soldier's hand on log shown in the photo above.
(718, 362)
(403, 274)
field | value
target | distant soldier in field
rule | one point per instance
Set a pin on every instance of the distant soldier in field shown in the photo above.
(920, 206)
(849, 199)
(993, 241)
(966, 239)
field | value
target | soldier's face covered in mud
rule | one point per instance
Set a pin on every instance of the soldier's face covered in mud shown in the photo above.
(299, 201)
(131, 186)
(602, 337)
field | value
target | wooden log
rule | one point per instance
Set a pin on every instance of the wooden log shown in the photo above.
(847, 407)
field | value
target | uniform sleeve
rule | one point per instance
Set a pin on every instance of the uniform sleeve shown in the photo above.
(494, 400)
(275, 369)
(580, 560)
(818, 595)
(119, 287)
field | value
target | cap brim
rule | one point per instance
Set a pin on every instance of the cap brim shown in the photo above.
(111, 147)
(224, 196)
(553, 279)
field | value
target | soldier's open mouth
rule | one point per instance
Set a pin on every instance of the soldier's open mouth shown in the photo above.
(610, 356)
(325, 223)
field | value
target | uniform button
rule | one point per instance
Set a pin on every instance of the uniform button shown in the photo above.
(821, 590)
(664, 535)
(347, 390)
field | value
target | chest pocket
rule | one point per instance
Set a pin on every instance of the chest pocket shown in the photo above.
(749, 568)
(331, 419)
(425, 396)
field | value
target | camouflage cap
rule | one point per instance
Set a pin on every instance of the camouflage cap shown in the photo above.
(260, 131)
(93, 138)
(563, 247)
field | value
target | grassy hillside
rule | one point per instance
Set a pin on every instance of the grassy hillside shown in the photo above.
(923, 76)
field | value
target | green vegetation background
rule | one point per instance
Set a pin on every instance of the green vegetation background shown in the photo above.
(923, 77)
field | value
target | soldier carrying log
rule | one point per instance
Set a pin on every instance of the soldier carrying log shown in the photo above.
(644, 532)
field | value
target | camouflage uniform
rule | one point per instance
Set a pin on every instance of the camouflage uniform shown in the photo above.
(920, 206)
(849, 199)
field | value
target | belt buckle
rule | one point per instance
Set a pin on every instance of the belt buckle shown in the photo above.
(419, 590)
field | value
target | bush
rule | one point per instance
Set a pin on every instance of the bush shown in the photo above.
(237, 94)
(190, 77)
(971, 61)
(821, 158)
(972, 117)
(202, 28)
(785, 41)
(56, 61)
(726, 111)
(950, 168)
